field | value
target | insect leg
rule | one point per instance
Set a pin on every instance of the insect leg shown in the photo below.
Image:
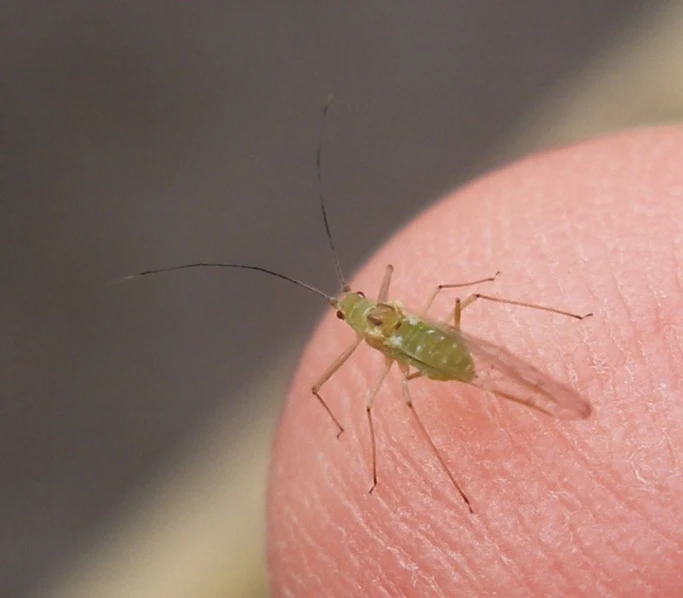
(441, 287)
(472, 298)
(369, 402)
(459, 306)
(327, 374)
(386, 281)
(457, 313)
(405, 370)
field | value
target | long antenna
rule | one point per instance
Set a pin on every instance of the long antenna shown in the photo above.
(335, 256)
(331, 300)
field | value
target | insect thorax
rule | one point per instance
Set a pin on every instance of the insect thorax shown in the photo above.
(368, 318)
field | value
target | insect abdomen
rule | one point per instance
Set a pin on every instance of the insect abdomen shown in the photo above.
(438, 354)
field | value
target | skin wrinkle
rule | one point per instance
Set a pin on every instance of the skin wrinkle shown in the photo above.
(623, 563)
(678, 260)
(521, 522)
(301, 532)
(599, 582)
(300, 545)
(649, 405)
(373, 532)
(578, 539)
(434, 546)
(379, 577)
(427, 536)
(317, 550)
(615, 553)
(545, 547)
(407, 562)
(525, 567)
(409, 530)
(549, 550)
(496, 559)
(467, 568)
(653, 407)
(604, 573)
(627, 502)
(528, 572)
(408, 463)
(508, 545)
(619, 343)
(634, 572)
(305, 537)
(412, 467)
(410, 564)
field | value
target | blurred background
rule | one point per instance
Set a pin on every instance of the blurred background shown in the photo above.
(135, 419)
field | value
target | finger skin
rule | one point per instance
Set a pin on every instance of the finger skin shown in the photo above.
(562, 508)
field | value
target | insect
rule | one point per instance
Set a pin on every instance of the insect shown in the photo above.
(424, 348)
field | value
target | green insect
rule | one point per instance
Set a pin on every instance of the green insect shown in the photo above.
(422, 347)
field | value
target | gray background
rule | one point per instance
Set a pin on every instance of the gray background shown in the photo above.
(140, 135)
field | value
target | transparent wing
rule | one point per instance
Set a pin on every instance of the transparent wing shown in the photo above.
(500, 372)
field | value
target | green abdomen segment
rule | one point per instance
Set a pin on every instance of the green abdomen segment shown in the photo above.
(438, 354)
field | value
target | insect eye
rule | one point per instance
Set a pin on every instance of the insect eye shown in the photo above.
(360, 294)
(340, 315)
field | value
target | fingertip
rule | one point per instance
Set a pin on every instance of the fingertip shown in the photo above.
(557, 505)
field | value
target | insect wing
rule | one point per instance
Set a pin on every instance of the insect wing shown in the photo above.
(500, 372)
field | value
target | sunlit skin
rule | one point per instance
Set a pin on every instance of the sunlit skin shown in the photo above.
(563, 508)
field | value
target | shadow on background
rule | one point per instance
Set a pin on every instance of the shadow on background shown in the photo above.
(142, 135)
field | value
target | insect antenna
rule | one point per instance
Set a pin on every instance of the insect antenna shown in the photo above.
(328, 298)
(331, 300)
(337, 266)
